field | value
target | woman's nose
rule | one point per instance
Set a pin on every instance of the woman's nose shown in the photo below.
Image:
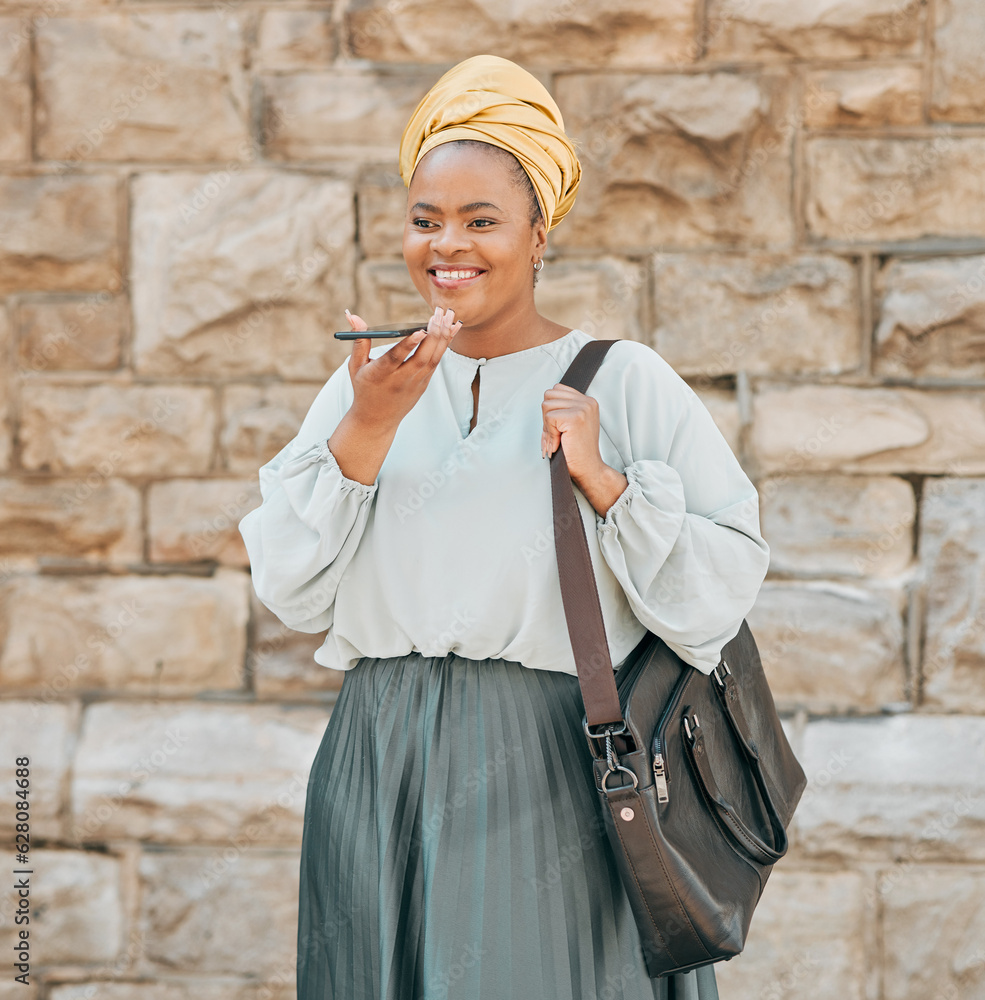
(449, 239)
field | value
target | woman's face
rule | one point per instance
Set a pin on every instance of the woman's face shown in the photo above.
(468, 241)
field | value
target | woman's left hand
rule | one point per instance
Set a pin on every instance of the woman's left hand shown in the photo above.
(571, 418)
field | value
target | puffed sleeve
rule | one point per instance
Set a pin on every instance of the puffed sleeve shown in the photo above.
(683, 538)
(310, 520)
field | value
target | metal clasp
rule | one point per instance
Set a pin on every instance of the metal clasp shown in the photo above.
(687, 726)
(607, 729)
(726, 671)
(619, 767)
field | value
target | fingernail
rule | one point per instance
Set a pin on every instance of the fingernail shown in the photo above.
(348, 313)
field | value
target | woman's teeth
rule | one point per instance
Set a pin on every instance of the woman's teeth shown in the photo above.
(456, 275)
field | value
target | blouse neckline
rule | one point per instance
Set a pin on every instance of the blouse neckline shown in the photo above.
(513, 354)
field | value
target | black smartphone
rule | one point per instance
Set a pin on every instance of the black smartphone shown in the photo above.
(379, 331)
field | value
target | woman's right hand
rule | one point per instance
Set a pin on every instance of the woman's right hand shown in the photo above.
(386, 388)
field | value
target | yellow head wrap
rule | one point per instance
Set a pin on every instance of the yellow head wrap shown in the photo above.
(493, 100)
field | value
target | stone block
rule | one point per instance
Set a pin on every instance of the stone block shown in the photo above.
(77, 908)
(240, 272)
(295, 39)
(382, 213)
(553, 33)
(339, 114)
(931, 317)
(952, 552)
(933, 933)
(893, 788)
(817, 428)
(156, 635)
(958, 86)
(116, 429)
(717, 314)
(142, 85)
(856, 666)
(894, 189)
(602, 297)
(194, 772)
(72, 334)
(807, 29)
(44, 732)
(258, 420)
(281, 660)
(243, 922)
(69, 519)
(59, 233)
(865, 97)
(15, 89)
(841, 525)
(679, 159)
(6, 428)
(194, 519)
(807, 938)
(387, 295)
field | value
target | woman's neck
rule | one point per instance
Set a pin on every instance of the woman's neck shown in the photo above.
(521, 329)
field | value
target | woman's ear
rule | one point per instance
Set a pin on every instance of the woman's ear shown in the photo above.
(540, 240)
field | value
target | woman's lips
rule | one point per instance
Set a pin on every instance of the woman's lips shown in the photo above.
(455, 278)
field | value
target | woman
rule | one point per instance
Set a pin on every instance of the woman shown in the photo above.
(453, 844)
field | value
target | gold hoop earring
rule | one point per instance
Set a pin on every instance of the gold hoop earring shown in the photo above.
(541, 268)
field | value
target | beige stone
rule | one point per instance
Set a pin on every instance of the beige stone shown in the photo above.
(605, 298)
(59, 233)
(857, 666)
(6, 428)
(257, 421)
(679, 160)
(159, 635)
(382, 211)
(73, 334)
(15, 89)
(958, 88)
(386, 294)
(142, 85)
(69, 519)
(864, 97)
(551, 32)
(900, 787)
(934, 933)
(717, 314)
(281, 660)
(77, 908)
(51, 726)
(342, 114)
(293, 39)
(843, 525)
(816, 428)
(194, 772)
(280, 985)
(805, 29)
(724, 410)
(819, 953)
(189, 520)
(867, 189)
(931, 317)
(240, 273)
(116, 430)
(952, 551)
(243, 923)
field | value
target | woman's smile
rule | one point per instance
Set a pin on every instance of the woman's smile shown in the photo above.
(451, 278)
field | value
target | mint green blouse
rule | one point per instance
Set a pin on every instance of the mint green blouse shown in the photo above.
(451, 548)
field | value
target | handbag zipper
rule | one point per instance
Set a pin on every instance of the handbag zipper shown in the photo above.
(659, 772)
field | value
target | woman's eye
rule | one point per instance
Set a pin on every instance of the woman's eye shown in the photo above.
(483, 222)
(422, 223)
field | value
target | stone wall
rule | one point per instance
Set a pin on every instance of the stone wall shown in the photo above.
(786, 200)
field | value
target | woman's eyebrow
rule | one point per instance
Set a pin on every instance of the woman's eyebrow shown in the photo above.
(470, 207)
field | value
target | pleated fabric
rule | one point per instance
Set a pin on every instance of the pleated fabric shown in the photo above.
(453, 846)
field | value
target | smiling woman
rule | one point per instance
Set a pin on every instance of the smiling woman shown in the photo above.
(453, 842)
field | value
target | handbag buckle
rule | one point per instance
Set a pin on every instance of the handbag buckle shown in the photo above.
(720, 678)
(619, 767)
(687, 726)
(606, 727)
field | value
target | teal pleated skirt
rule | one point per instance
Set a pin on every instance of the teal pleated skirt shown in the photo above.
(453, 846)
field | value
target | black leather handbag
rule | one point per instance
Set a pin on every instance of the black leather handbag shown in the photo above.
(696, 778)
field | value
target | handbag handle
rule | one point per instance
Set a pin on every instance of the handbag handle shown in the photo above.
(582, 608)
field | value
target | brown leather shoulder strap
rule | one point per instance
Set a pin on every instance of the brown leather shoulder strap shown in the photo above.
(579, 593)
